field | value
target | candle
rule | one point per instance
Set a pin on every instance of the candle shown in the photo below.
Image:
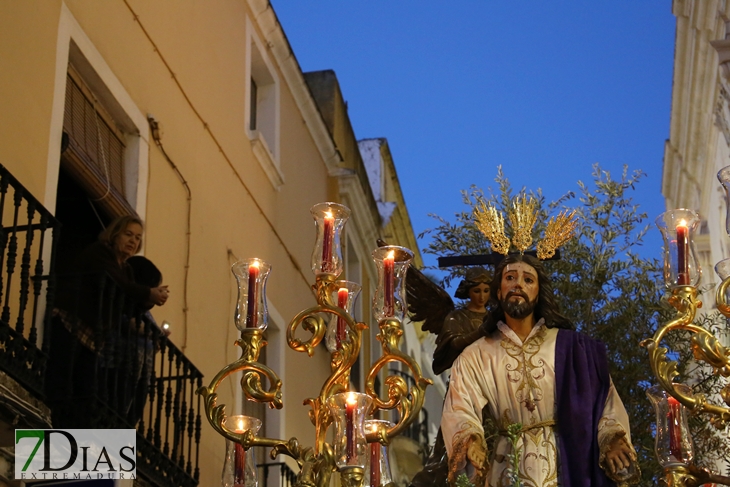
(682, 253)
(375, 464)
(388, 266)
(252, 311)
(239, 472)
(329, 235)
(350, 406)
(342, 296)
(674, 419)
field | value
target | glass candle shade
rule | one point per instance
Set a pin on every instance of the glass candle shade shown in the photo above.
(724, 176)
(673, 443)
(251, 276)
(377, 471)
(330, 219)
(239, 467)
(344, 296)
(681, 267)
(390, 296)
(349, 410)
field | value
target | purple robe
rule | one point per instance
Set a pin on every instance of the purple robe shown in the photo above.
(582, 384)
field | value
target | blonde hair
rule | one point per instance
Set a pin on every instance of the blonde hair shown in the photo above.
(117, 227)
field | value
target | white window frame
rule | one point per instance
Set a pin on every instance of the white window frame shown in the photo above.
(73, 45)
(265, 137)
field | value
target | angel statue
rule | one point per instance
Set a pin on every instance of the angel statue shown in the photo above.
(455, 328)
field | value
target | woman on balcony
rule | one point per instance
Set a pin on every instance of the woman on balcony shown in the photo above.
(93, 307)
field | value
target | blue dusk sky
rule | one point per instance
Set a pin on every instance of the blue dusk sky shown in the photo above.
(545, 89)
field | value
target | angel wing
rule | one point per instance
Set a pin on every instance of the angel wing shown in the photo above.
(427, 301)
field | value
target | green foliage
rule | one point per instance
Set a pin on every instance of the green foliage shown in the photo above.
(463, 481)
(514, 433)
(608, 291)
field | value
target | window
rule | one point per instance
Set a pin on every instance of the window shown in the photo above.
(94, 146)
(111, 155)
(263, 108)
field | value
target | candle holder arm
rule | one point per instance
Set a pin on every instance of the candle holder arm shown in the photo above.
(701, 476)
(408, 402)
(315, 470)
(705, 347)
(251, 343)
(341, 362)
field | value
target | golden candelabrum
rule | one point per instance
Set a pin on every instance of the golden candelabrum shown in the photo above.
(682, 274)
(318, 462)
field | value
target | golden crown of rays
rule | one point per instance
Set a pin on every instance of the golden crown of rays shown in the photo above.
(522, 216)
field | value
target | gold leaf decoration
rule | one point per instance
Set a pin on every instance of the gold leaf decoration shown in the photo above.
(559, 230)
(490, 222)
(522, 217)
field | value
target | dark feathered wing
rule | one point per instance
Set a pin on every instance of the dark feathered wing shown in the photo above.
(427, 301)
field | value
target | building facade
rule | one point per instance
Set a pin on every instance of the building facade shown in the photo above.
(699, 135)
(196, 117)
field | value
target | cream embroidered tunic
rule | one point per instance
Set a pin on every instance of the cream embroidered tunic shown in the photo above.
(516, 381)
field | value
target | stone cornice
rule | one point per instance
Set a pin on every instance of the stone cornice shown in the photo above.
(280, 50)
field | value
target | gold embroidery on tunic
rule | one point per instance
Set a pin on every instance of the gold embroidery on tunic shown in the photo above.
(539, 449)
(527, 369)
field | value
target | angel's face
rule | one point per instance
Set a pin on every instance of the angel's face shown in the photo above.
(518, 288)
(479, 296)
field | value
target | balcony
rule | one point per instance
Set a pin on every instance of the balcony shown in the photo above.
(27, 247)
(110, 366)
(124, 374)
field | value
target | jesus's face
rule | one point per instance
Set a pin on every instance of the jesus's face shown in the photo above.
(518, 290)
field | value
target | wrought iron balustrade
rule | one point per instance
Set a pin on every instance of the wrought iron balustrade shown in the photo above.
(110, 366)
(28, 234)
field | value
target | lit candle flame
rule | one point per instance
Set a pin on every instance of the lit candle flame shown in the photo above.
(328, 214)
(255, 264)
(351, 398)
(391, 255)
(682, 223)
(239, 425)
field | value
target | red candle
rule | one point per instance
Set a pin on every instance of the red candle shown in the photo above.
(252, 308)
(682, 253)
(342, 296)
(327, 242)
(674, 418)
(239, 461)
(388, 284)
(375, 464)
(350, 405)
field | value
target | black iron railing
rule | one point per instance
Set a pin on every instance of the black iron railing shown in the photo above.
(112, 367)
(275, 475)
(418, 429)
(28, 235)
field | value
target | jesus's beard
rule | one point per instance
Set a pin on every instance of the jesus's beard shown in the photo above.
(518, 309)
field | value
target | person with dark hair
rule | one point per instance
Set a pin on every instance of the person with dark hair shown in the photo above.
(541, 383)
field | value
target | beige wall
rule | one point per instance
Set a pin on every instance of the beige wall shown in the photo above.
(204, 44)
